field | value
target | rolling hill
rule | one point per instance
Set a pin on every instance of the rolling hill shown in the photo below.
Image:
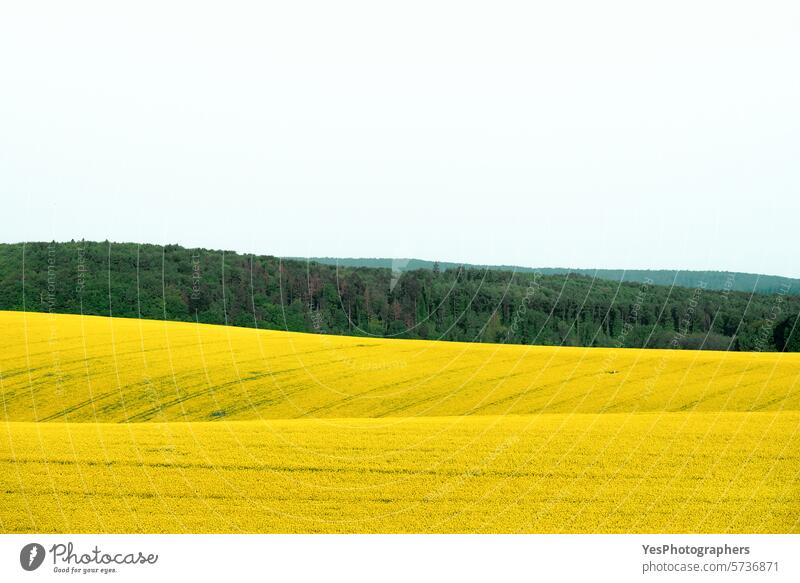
(128, 425)
(73, 368)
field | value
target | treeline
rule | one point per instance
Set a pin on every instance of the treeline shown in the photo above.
(474, 305)
(715, 280)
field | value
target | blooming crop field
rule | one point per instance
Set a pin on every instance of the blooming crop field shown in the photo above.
(116, 425)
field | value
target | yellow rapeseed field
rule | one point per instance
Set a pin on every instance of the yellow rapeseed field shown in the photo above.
(116, 425)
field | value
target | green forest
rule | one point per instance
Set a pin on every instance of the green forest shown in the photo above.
(718, 280)
(455, 304)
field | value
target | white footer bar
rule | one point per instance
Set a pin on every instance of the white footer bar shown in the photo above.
(401, 558)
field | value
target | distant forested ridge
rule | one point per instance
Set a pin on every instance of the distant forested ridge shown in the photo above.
(715, 280)
(453, 303)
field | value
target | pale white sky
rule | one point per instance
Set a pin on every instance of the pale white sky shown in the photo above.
(586, 134)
